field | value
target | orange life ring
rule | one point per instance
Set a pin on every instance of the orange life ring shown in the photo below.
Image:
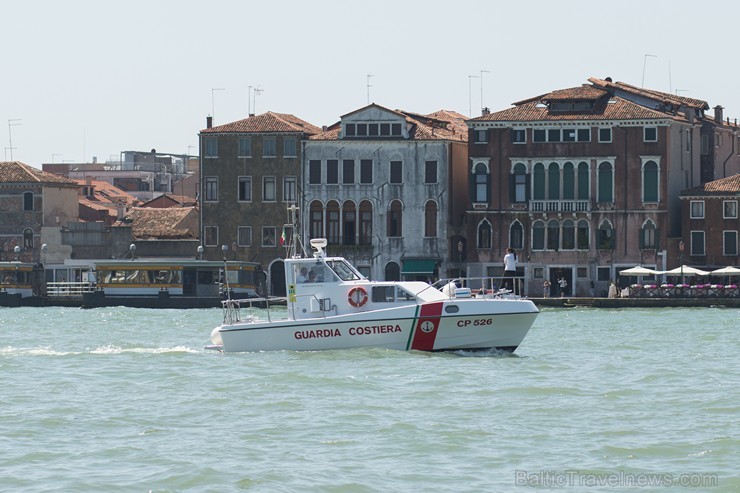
(357, 301)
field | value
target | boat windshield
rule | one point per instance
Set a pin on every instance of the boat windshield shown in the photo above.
(344, 270)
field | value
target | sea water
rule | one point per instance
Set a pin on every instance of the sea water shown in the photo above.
(128, 400)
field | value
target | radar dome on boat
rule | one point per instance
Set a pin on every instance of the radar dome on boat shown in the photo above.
(318, 244)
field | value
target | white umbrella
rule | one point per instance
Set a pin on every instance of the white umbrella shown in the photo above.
(726, 271)
(638, 270)
(686, 270)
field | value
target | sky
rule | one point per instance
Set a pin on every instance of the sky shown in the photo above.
(83, 79)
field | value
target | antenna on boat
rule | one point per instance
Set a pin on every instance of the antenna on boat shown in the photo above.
(293, 244)
(225, 250)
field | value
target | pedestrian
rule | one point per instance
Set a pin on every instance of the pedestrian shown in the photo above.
(563, 285)
(592, 289)
(509, 267)
(546, 289)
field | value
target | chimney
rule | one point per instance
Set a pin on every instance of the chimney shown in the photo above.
(121, 210)
(209, 121)
(485, 111)
(718, 115)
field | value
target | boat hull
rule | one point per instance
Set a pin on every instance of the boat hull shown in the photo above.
(438, 326)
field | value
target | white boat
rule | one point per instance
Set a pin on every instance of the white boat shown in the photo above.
(330, 305)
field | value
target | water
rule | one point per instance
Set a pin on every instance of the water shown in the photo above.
(120, 399)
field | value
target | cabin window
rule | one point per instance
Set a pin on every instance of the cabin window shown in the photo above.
(383, 294)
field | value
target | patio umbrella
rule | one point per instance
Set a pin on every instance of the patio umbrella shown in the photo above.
(686, 270)
(726, 271)
(638, 270)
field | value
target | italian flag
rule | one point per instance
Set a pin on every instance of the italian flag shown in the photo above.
(282, 238)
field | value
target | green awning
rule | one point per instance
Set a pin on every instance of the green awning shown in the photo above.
(419, 266)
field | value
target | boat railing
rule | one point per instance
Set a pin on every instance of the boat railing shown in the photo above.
(232, 307)
(481, 287)
(68, 289)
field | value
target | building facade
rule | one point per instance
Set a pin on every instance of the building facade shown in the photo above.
(583, 182)
(378, 185)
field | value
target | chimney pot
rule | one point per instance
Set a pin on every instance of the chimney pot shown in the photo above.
(209, 121)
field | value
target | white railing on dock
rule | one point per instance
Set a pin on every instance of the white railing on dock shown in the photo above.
(68, 289)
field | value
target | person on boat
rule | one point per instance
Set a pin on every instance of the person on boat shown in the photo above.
(509, 267)
(303, 276)
(311, 277)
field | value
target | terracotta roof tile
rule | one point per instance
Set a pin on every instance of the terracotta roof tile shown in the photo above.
(583, 93)
(723, 186)
(696, 103)
(17, 172)
(168, 223)
(265, 123)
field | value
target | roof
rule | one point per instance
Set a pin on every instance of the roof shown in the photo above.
(18, 172)
(723, 186)
(156, 223)
(606, 108)
(650, 93)
(265, 123)
(171, 199)
(440, 125)
(105, 192)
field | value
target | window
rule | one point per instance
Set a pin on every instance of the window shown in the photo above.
(373, 130)
(349, 223)
(650, 134)
(430, 172)
(729, 240)
(245, 147)
(348, 171)
(480, 184)
(584, 135)
(484, 234)
(314, 172)
(539, 135)
(582, 272)
(332, 171)
(516, 235)
(245, 189)
(603, 274)
(289, 189)
(583, 235)
(430, 219)
(569, 235)
(395, 225)
(268, 236)
(520, 183)
(332, 223)
(605, 237)
(606, 183)
(211, 188)
(316, 220)
(268, 189)
(385, 129)
(396, 172)
(569, 184)
(349, 130)
(697, 243)
(269, 147)
(396, 129)
(538, 235)
(569, 135)
(553, 135)
(480, 136)
(553, 234)
(366, 223)
(244, 236)
(290, 147)
(553, 172)
(729, 209)
(519, 136)
(697, 209)
(211, 235)
(704, 144)
(392, 272)
(211, 147)
(584, 184)
(28, 239)
(650, 182)
(27, 201)
(539, 182)
(605, 135)
(366, 171)
(648, 236)
(362, 129)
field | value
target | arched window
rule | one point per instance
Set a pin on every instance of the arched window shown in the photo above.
(569, 183)
(392, 272)
(516, 235)
(553, 185)
(316, 220)
(480, 183)
(366, 222)
(583, 235)
(484, 234)
(519, 192)
(606, 183)
(650, 182)
(648, 236)
(553, 235)
(349, 223)
(430, 219)
(332, 222)
(583, 181)
(538, 235)
(538, 192)
(605, 236)
(395, 219)
(28, 239)
(569, 235)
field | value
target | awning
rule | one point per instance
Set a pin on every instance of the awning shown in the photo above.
(419, 266)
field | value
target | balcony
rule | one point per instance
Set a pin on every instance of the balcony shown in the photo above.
(560, 206)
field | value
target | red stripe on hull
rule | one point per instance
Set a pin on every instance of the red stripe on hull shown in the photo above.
(425, 331)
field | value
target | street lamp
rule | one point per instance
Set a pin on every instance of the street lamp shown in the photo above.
(132, 249)
(17, 251)
(200, 252)
(681, 248)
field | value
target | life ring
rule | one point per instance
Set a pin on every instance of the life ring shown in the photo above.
(357, 301)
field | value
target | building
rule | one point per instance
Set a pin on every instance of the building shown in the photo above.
(250, 173)
(710, 224)
(585, 181)
(377, 185)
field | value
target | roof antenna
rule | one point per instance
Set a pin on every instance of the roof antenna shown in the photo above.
(644, 63)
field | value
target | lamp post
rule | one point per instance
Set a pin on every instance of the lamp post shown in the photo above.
(132, 249)
(17, 251)
(681, 248)
(200, 252)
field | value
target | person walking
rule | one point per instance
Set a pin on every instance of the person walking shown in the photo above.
(563, 286)
(509, 268)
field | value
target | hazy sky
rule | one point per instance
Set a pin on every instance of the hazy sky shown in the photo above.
(94, 78)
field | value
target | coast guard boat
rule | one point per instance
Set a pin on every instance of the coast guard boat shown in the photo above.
(330, 305)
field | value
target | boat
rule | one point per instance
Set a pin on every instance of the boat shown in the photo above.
(17, 282)
(331, 305)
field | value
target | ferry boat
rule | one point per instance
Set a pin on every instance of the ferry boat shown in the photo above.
(331, 305)
(17, 281)
(157, 283)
